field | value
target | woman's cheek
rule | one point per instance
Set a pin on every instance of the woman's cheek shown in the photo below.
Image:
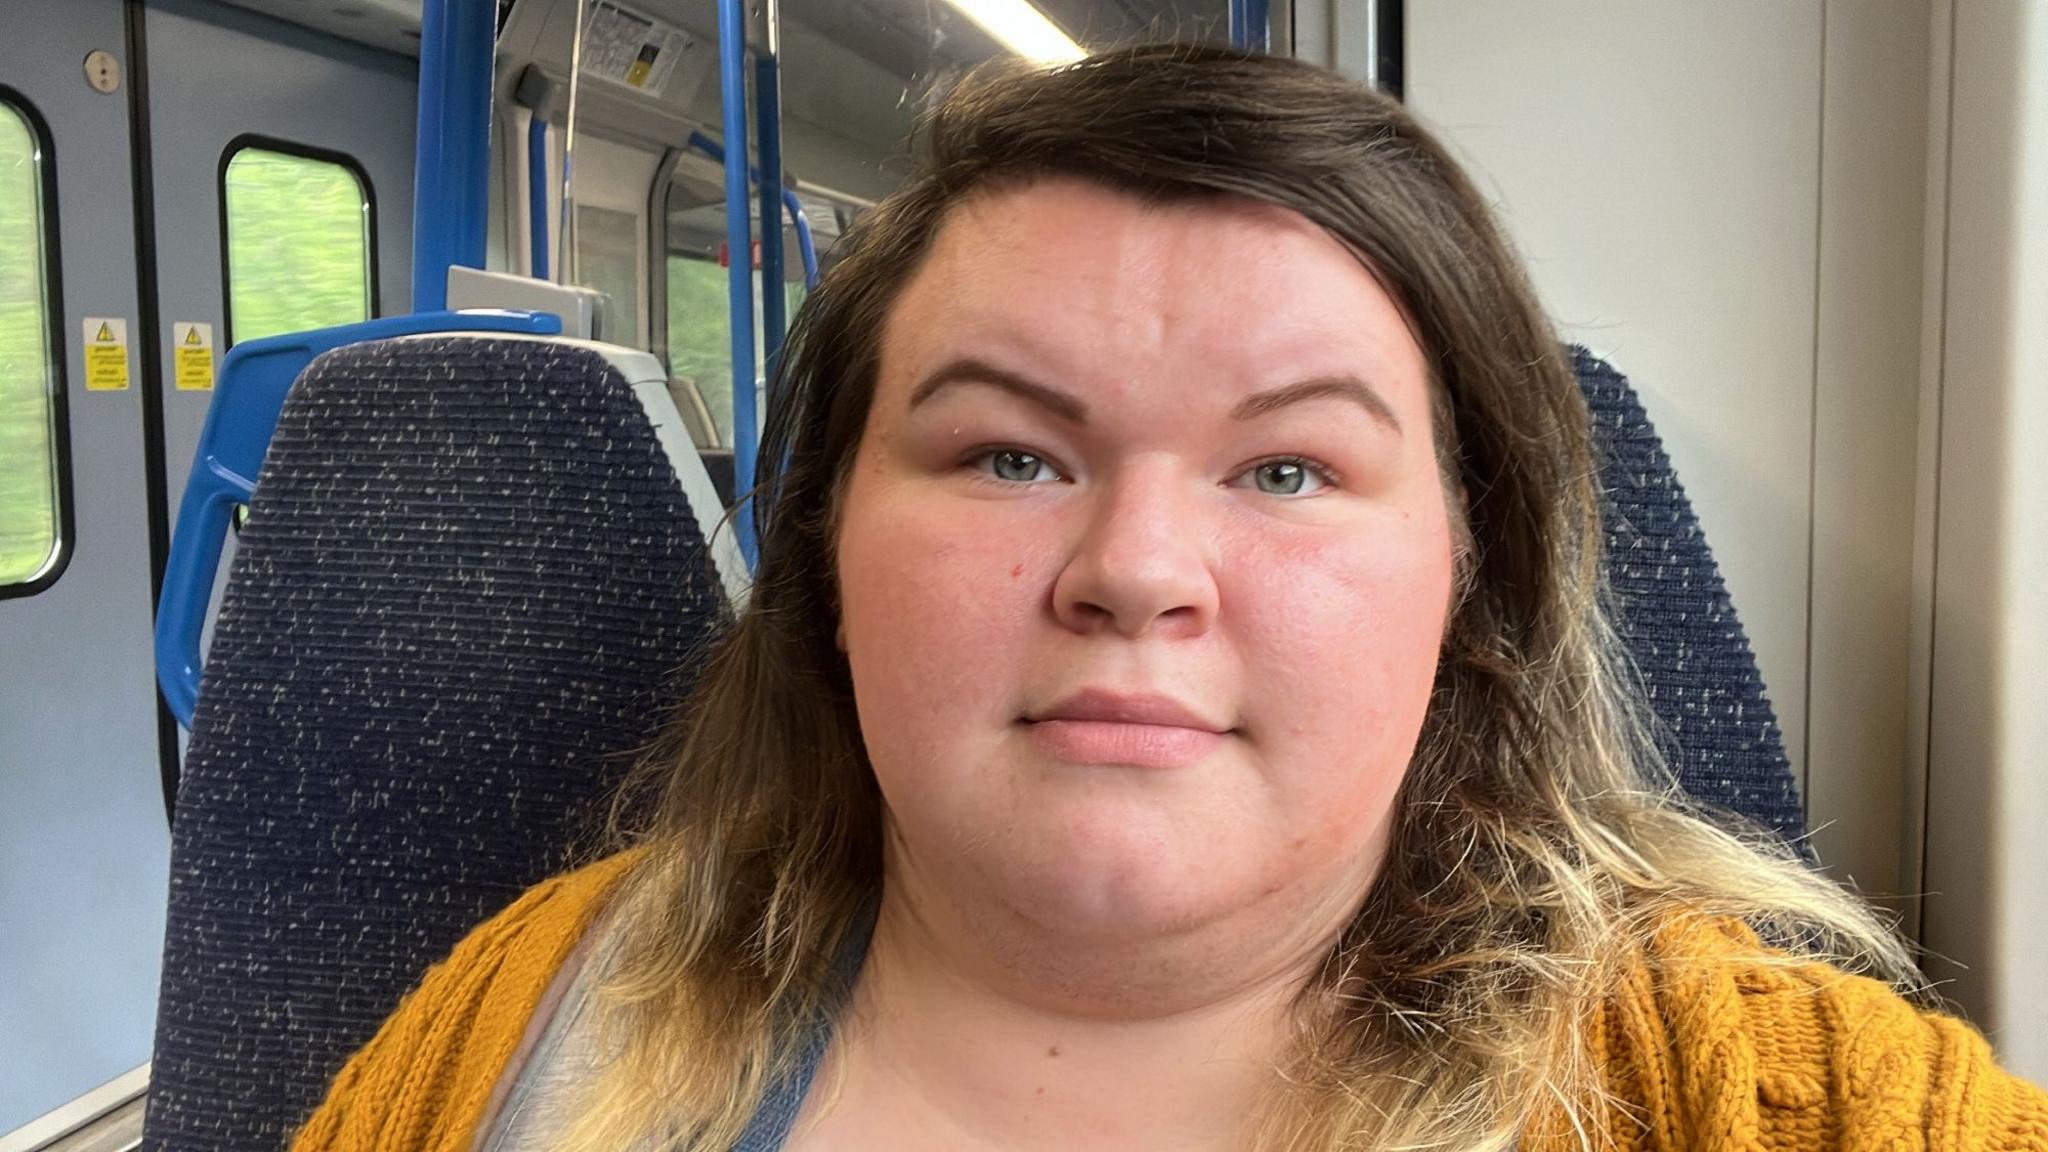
(933, 587)
(1341, 639)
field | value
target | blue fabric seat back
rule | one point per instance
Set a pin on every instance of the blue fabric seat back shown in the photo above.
(1718, 730)
(469, 585)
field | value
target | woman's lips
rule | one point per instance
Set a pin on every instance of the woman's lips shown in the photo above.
(1124, 743)
(1140, 729)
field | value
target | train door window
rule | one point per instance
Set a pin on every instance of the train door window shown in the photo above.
(699, 350)
(608, 248)
(698, 317)
(32, 520)
(299, 232)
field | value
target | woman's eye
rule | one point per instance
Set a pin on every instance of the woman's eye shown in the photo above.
(1016, 466)
(1283, 477)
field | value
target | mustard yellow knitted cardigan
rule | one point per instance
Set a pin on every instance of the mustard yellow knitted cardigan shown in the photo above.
(1719, 1057)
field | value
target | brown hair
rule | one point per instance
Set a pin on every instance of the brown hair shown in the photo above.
(1537, 840)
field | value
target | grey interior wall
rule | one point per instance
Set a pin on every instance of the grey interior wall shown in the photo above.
(84, 850)
(1987, 723)
(290, 84)
(1866, 396)
(1727, 200)
(1659, 166)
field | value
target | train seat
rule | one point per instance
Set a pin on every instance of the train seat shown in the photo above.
(1714, 723)
(475, 569)
(467, 581)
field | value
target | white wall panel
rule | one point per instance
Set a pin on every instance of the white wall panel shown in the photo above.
(1987, 756)
(1866, 421)
(1659, 166)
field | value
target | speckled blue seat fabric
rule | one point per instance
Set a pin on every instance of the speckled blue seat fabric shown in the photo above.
(1718, 730)
(469, 584)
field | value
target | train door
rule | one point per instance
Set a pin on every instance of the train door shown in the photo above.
(82, 824)
(269, 191)
(283, 191)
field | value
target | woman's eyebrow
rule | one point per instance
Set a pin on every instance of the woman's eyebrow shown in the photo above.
(971, 371)
(1341, 387)
(1068, 407)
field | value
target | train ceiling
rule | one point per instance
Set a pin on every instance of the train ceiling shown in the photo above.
(910, 39)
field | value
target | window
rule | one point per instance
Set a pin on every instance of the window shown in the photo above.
(691, 317)
(32, 498)
(699, 349)
(299, 244)
(608, 255)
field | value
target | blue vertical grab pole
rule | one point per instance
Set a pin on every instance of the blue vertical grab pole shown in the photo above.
(451, 166)
(739, 286)
(1249, 24)
(537, 196)
(768, 136)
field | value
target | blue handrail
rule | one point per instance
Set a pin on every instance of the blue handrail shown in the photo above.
(452, 157)
(805, 251)
(254, 379)
(739, 245)
(1249, 25)
(537, 195)
(799, 220)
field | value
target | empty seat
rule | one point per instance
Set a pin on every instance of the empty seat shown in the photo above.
(1717, 727)
(474, 573)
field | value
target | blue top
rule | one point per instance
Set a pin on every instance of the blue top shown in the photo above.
(535, 1110)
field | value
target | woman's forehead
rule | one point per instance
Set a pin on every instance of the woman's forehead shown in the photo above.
(1067, 226)
(1073, 274)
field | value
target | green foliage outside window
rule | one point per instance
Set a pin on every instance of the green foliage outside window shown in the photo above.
(699, 349)
(298, 244)
(28, 471)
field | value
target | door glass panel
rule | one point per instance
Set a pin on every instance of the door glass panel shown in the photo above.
(608, 247)
(298, 243)
(29, 482)
(699, 350)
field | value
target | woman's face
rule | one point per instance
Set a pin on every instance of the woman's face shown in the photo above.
(1144, 562)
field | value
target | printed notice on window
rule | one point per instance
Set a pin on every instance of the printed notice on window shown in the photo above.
(630, 49)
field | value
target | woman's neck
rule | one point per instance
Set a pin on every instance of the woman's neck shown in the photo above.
(951, 1044)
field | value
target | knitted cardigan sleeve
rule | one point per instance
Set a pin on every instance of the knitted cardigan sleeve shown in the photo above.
(423, 1081)
(1713, 1047)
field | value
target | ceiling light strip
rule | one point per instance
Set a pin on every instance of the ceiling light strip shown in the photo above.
(1022, 29)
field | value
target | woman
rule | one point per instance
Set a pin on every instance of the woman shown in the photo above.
(1176, 710)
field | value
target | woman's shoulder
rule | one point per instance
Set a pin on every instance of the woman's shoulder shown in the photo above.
(428, 1074)
(1715, 1037)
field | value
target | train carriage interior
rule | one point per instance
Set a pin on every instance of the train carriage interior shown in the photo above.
(360, 353)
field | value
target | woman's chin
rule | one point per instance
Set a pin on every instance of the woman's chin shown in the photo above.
(1110, 898)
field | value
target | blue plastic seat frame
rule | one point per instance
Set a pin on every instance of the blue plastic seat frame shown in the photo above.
(250, 392)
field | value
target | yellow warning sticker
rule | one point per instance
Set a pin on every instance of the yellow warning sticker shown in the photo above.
(106, 354)
(192, 356)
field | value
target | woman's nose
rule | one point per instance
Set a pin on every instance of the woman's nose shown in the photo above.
(1143, 564)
